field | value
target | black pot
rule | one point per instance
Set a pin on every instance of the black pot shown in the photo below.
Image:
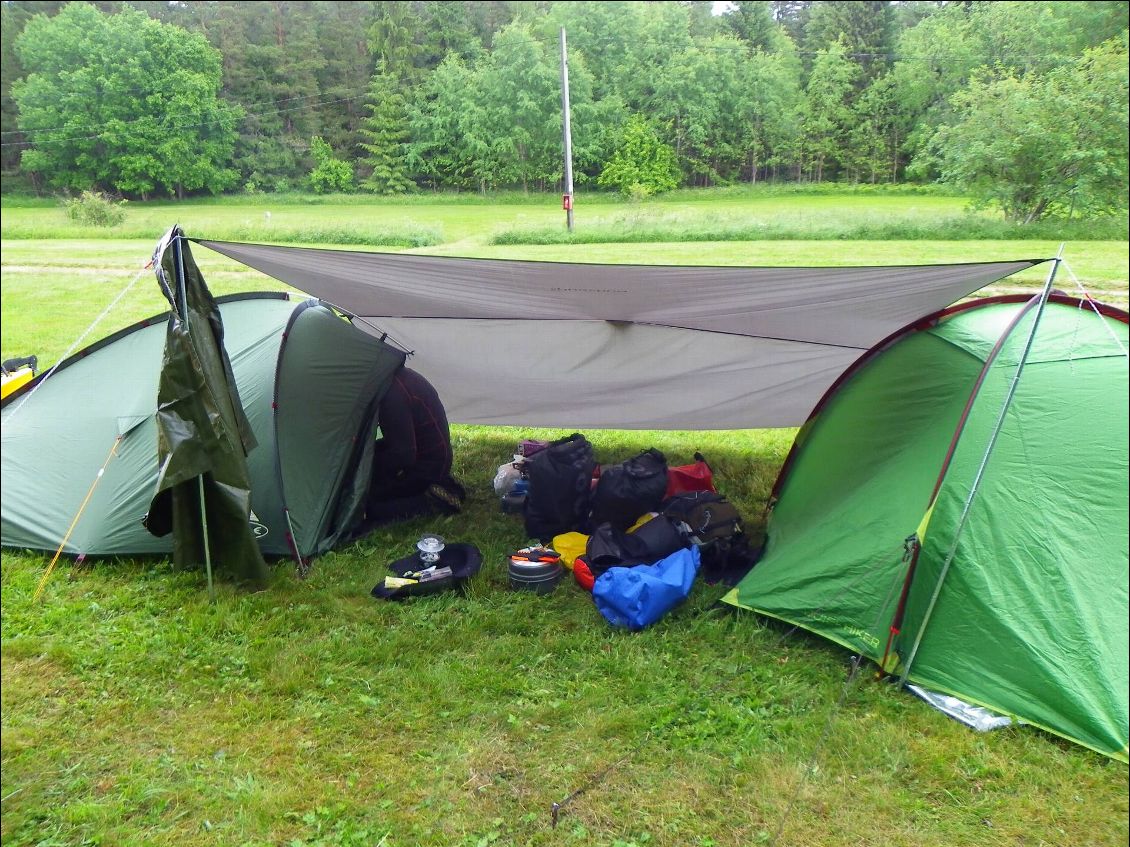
(538, 577)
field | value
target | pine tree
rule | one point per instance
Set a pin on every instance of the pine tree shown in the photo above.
(386, 132)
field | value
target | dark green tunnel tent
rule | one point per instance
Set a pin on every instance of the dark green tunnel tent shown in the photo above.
(309, 381)
(1029, 619)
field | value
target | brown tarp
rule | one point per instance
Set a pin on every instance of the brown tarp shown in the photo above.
(622, 346)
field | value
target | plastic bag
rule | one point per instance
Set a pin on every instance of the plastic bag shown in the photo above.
(504, 480)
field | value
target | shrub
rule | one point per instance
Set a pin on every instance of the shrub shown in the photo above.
(93, 208)
(642, 162)
(329, 174)
(638, 192)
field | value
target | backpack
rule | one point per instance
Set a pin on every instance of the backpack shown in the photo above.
(630, 489)
(707, 518)
(560, 487)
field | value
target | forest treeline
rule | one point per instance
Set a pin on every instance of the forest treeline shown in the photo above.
(1024, 104)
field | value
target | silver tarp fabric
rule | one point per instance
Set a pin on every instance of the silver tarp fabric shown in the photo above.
(551, 344)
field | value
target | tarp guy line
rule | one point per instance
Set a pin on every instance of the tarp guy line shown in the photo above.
(1091, 302)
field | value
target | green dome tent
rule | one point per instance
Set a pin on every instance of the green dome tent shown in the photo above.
(309, 380)
(997, 576)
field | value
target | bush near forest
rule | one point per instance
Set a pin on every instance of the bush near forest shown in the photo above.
(93, 208)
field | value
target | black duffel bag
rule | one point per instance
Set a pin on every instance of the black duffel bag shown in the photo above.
(609, 547)
(560, 487)
(629, 490)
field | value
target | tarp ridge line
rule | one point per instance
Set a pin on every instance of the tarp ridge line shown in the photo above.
(207, 242)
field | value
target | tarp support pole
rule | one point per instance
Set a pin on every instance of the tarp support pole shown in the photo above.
(1043, 300)
(182, 286)
(566, 133)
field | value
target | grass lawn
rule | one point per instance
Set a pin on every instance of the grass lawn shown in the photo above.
(311, 715)
(471, 218)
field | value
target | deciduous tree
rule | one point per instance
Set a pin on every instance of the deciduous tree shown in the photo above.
(1044, 144)
(131, 104)
(329, 173)
(827, 114)
(642, 162)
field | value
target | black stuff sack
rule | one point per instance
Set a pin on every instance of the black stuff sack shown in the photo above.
(609, 547)
(560, 487)
(629, 490)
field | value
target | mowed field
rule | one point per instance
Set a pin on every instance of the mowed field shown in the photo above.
(311, 715)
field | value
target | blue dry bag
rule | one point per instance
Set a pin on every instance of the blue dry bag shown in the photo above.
(637, 597)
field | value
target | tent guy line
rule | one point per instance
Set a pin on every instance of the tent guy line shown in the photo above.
(1092, 304)
(74, 345)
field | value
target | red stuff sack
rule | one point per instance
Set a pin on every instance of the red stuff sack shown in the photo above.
(583, 574)
(686, 478)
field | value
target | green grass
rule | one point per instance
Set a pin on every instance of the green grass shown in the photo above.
(642, 229)
(362, 220)
(742, 213)
(310, 714)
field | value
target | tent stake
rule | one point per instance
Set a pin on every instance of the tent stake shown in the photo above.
(981, 469)
(182, 287)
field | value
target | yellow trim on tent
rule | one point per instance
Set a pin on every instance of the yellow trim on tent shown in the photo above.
(921, 531)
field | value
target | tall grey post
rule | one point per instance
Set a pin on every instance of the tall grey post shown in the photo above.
(567, 132)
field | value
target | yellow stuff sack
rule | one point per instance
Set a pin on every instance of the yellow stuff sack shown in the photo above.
(570, 545)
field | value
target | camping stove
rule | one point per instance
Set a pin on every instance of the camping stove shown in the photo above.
(429, 547)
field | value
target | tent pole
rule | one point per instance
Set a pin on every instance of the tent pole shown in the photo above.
(1043, 300)
(182, 291)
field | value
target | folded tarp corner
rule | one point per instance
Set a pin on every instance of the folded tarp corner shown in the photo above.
(551, 344)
